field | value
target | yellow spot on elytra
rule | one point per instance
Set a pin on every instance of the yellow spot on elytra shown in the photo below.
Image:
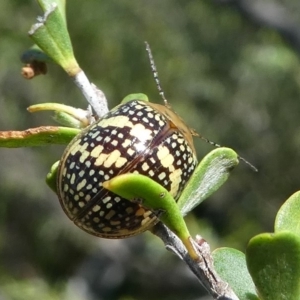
(94, 135)
(129, 210)
(109, 205)
(145, 166)
(75, 147)
(96, 208)
(118, 121)
(96, 151)
(81, 184)
(141, 132)
(162, 152)
(106, 229)
(130, 151)
(114, 143)
(175, 178)
(121, 161)
(147, 213)
(107, 160)
(146, 221)
(106, 199)
(84, 155)
(114, 223)
(180, 140)
(126, 143)
(100, 159)
(110, 214)
(84, 146)
(166, 159)
(66, 187)
(112, 158)
(73, 177)
(140, 212)
(81, 173)
(161, 176)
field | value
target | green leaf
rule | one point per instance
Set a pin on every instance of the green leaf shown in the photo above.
(51, 35)
(52, 176)
(231, 265)
(274, 263)
(35, 53)
(142, 189)
(39, 136)
(210, 174)
(61, 4)
(288, 215)
(64, 114)
(138, 96)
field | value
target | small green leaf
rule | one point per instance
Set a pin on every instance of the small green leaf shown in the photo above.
(231, 265)
(288, 215)
(274, 263)
(210, 174)
(61, 4)
(35, 53)
(39, 136)
(64, 114)
(51, 177)
(138, 96)
(51, 35)
(150, 194)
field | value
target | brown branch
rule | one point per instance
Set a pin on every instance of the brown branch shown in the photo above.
(203, 270)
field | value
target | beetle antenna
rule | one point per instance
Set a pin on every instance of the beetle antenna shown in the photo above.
(162, 94)
(155, 74)
(194, 133)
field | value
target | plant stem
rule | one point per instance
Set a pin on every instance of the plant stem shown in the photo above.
(203, 270)
(92, 94)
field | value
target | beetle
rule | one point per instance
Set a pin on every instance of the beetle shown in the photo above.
(134, 167)
(135, 137)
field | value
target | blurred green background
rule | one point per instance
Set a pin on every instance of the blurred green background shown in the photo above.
(231, 68)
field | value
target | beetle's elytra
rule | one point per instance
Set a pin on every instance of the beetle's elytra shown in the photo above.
(135, 137)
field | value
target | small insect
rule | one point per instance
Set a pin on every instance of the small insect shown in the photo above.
(124, 173)
(137, 137)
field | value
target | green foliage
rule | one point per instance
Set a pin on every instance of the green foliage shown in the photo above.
(231, 264)
(20, 290)
(51, 35)
(287, 218)
(274, 264)
(235, 82)
(47, 135)
(272, 259)
(209, 176)
(130, 97)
